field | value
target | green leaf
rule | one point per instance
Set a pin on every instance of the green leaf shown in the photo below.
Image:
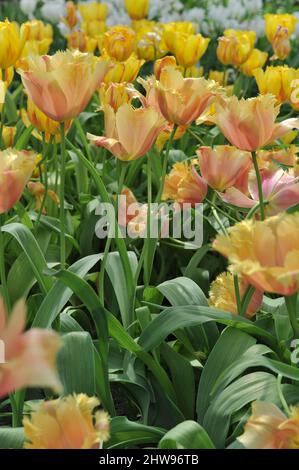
(75, 363)
(183, 291)
(186, 435)
(11, 438)
(126, 433)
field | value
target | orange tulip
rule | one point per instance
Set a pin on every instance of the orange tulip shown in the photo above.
(38, 191)
(181, 100)
(287, 156)
(265, 253)
(16, 167)
(281, 44)
(119, 42)
(250, 124)
(79, 40)
(184, 185)
(160, 64)
(29, 356)
(222, 166)
(222, 295)
(62, 85)
(129, 133)
(269, 428)
(67, 423)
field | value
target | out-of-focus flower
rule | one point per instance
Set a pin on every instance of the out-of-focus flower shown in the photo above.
(8, 135)
(223, 166)
(218, 76)
(184, 185)
(40, 37)
(71, 18)
(38, 191)
(126, 201)
(281, 44)
(117, 94)
(16, 168)
(7, 75)
(171, 29)
(53, 11)
(119, 42)
(188, 48)
(160, 64)
(181, 100)
(265, 253)
(164, 136)
(222, 295)
(277, 81)
(91, 11)
(94, 29)
(250, 124)
(62, 85)
(274, 22)
(79, 40)
(256, 59)
(235, 47)
(12, 42)
(67, 423)
(150, 44)
(28, 7)
(280, 191)
(42, 123)
(119, 72)
(269, 428)
(129, 132)
(3, 89)
(286, 156)
(137, 9)
(29, 356)
(192, 72)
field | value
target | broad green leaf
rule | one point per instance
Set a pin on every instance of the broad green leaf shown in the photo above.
(11, 438)
(186, 435)
(125, 433)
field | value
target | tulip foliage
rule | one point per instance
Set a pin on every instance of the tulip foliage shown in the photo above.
(149, 233)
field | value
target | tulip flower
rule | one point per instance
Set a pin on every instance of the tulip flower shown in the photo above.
(71, 18)
(67, 423)
(269, 428)
(119, 42)
(91, 11)
(235, 47)
(281, 44)
(8, 136)
(39, 192)
(120, 72)
(16, 167)
(188, 48)
(184, 185)
(223, 166)
(265, 253)
(42, 123)
(150, 44)
(274, 22)
(29, 356)
(276, 81)
(160, 64)
(129, 133)
(269, 158)
(117, 94)
(218, 76)
(137, 9)
(12, 42)
(256, 59)
(171, 29)
(61, 85)
(250, 124)
(165, 135)
(94, 29)
(181, 100)
(222, 295)
(79, 40)
(280, 191)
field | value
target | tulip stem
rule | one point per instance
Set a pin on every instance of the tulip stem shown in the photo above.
(2, 270)
(61, 197)
(291, 304)
(246, 300)
(2, 126)
(259, 185)
(148, 257)
(237, 294)
(165, 162)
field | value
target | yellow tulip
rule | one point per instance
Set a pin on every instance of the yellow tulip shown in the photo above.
(150, 44)
(71, 17)
(188, 48)
(218, 76)
(37, 30)
(67, 423)
(119, 42)
(274, 22)
(12, 42)
(117, 94)
(126, 71)
(94, 28)
(171, 29)
(235, 46)
(93, 11)
(277, 81)
(256, 59)
(79, 40)
(137, 9)
(8, 135)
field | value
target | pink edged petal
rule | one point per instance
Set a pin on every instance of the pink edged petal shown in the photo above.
(285, 198)
(237, 198)
(113, 145)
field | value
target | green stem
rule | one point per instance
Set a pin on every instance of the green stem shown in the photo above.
(246, 300)
(147, 242)
(196, 137)
(2, 126)
(83, 138)
(2, 270)
(237, 294)
(259, 185)
(281, 396)
(61, 197)
(291, 304)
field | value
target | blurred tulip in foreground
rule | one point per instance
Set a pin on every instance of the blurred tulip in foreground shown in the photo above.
(223, 165)
(67, 423)
(265, 253)
(62, 85)
(30, 357)
(222, 295)
(269, 428)
(16, 167)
